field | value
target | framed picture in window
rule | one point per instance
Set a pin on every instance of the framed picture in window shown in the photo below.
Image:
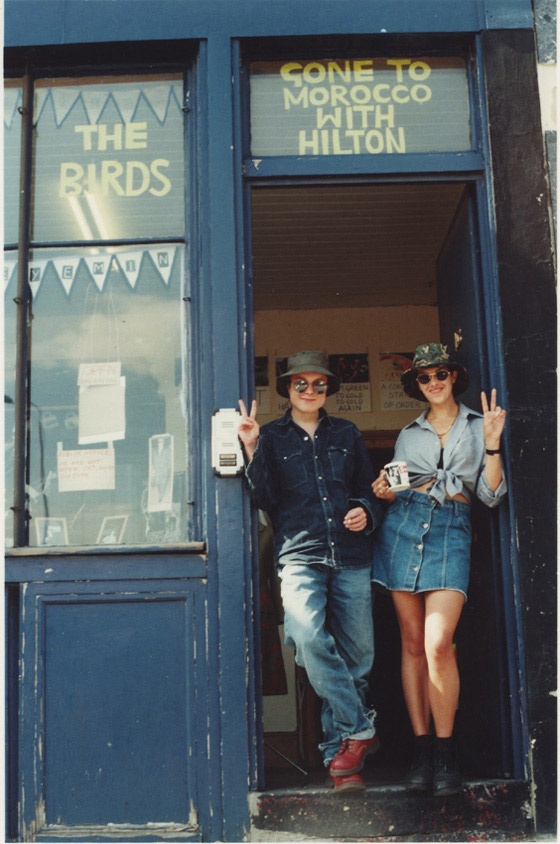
(51, 531)
(112, 530)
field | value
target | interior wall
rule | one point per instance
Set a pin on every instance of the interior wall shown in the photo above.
(374, 331)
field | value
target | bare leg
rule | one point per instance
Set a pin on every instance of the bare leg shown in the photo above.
(443, 610)
(410, 609)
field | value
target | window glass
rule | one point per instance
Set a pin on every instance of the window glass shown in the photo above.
(364, 106)
(107, 439)
(12, 148)
(108, 159)
(107, 462)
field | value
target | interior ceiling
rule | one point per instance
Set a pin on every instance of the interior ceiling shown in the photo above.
(349, 246)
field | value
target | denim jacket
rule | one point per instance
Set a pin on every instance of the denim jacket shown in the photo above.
(307, 485)
(463, 458)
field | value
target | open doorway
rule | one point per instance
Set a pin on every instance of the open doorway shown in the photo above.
(366, 272)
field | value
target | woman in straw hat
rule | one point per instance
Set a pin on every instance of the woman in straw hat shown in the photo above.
(422, 549)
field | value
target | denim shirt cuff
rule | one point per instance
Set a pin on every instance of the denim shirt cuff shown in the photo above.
(372, 521)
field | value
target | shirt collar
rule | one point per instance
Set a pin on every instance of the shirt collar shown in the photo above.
(464, 412)
(323, 417)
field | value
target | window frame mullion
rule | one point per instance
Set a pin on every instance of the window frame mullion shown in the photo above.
(23, 322)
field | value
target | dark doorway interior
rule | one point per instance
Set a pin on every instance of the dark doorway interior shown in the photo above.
(319, 248)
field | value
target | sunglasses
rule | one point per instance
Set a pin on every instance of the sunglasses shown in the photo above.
(301, 385)
(440, 375)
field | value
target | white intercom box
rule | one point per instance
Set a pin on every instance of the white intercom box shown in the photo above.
(227, 456)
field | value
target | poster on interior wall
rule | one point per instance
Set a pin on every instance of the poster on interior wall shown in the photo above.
(85, 469)
(354, 395)
(391, 367)
(262, 384)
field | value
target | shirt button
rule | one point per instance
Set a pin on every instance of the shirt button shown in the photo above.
(415, 568)
(325, 498)
(425, 525)
(420, 547)
(305, 439)
(320, 477)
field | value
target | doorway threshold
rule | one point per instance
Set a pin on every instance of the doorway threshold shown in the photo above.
(486, 810)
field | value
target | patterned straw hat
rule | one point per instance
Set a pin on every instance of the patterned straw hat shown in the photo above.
(432, 354)
(307, 362)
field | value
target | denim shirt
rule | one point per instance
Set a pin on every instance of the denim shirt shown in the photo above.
(464, 458)
(307, 485)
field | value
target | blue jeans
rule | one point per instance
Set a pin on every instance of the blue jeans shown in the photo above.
(328, 620)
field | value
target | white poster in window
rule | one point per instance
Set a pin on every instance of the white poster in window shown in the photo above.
(101, 412)
(160, 486)
(85, 469)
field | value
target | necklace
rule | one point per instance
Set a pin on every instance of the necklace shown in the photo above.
(447, 430)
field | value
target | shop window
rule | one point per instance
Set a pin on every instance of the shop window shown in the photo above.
(106, 448)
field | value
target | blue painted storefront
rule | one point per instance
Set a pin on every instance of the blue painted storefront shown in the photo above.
(133, 698)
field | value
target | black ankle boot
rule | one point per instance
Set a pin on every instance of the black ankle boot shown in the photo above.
(447, 777)
(421, 772)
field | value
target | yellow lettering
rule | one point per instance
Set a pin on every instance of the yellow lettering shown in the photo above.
(398, 64)
(421, 93)
(110, 173)
(335, 118)
(288, 70)
(363, 70)
(377, 93)
(104, 137)
(165, 183)
(419, 70)
(87, 131)
(311, 145)
(296, 99)
(314, 72)
(404, 97)
(133, 167)
(70, 179)
(136, 136)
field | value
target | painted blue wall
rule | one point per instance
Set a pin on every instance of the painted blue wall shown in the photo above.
(34, 22)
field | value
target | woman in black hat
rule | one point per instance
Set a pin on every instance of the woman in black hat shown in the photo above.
(422, 549)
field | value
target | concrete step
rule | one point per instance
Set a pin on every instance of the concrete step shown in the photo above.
(486, 810)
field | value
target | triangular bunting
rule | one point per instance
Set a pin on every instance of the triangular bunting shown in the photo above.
(99, 266)
(126, 101)
(9, 266)
(36, 274)
(63, 100)
(163, 260)
(66, 269)
(12, 99)
(94, 103)
(130, 263)
(158, 100)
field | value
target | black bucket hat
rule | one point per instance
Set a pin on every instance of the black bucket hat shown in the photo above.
(432, 354)
(307, 362)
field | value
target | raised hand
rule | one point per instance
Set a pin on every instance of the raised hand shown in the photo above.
(494, 420)
(248, 430)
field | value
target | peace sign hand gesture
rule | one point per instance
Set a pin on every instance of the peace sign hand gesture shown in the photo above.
(494, 420)
(248, 430)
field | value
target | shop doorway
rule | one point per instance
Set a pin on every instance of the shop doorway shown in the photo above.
(366, 272)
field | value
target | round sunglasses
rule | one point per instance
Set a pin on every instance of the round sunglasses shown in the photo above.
(440, 375)
(301, 385)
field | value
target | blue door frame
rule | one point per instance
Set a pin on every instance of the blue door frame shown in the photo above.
(228, 760)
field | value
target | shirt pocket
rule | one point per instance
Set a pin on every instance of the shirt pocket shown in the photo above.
(292, 470)
(341, 463)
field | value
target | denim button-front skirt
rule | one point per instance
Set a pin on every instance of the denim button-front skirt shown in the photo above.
(422, 545)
